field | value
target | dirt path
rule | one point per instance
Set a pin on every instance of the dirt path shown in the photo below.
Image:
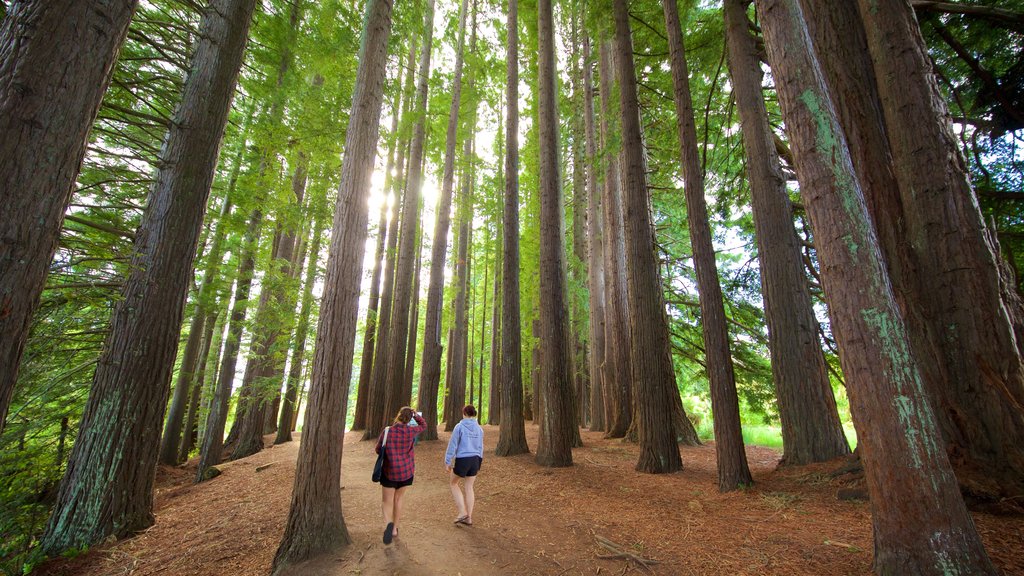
(528, 520)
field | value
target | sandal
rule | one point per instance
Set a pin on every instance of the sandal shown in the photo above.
(461, 519)
(389, 533)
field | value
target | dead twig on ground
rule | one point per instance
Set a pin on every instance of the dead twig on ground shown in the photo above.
(620, 553)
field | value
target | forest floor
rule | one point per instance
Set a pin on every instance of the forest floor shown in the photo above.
(528, 520)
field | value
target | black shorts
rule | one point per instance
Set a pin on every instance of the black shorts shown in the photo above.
(467, 466)
(392, 484)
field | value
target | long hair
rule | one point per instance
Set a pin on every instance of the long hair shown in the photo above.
(404, 415)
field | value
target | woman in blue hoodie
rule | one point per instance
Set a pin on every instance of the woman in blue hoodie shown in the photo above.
(463, 458)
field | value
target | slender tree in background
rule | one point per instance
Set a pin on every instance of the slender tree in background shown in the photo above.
(733, 471)
(942, 260)
(211, 450)
(459, 350)
(190, 430)
(202, 319)
(315, 522)
(921, 525)
(811, 429)
(108, 487)
(45, 118)
(578, 263)
(288, 407)
(395, 359)
(512, 434)
(558, 415)
(595, 252)
(414, 318)
(430, 370)
(618, 381)
(369, 332)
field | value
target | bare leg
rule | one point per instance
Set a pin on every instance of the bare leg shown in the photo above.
(387, 505)
(470, 497)
(460, 501)
(398, 507)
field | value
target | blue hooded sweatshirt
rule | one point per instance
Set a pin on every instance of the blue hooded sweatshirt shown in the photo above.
(467, 440)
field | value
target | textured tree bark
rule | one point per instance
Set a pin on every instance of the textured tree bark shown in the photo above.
(595, 251)
(315, 521)
(288, 406)
(557, 402)
(652, 370)
(919, 193)
(733, 471)
(430, 370)
(56, 59)
(618, 379)
(578, 264)
(512, 432)
(394, 376)
(211, 451)
(811, 429)
(921, 525)
(108, 487)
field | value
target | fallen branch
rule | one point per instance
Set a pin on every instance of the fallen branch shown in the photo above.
(263, 467)
(620, 553)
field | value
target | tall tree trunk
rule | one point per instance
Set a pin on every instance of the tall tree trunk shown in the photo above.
(494, 398)
(650, 354)
(595, 252)
(483, 338)
(578, 264)
(414, 320)
(210, 378)
(811, 429)
(430, 370)
(459, 352)
(921, 525)
(733, 471)
(189, 434)
(315, 522)
(170, 441)
(619, 380)
(557, 404)
(211, 451)
(512, 434)
(961, 328)
(56, 59)
(288, 407)
(366, 364)
(108, 487)
(394, 376)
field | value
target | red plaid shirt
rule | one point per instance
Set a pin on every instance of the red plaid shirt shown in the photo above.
(399, 464)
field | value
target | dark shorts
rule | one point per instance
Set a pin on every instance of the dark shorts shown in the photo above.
(467, 466)
(392, 484)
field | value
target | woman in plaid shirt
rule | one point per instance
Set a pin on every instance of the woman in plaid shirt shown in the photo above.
(399, 465)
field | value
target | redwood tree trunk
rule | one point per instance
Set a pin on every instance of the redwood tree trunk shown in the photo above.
(108, 487)
(56, 59)
(458, 351)
(189, 432)
(430, 370)
(595, 252)
(512, 434)
(921, 525)
(652, 372)
(960, 324)
(733, 471)
(811, 429)
(315, 522)
(618, 380)
(557, 405)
